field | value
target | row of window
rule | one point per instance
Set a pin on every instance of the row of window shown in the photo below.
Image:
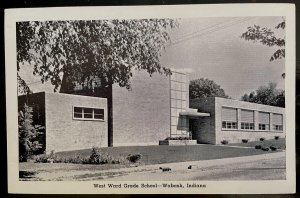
(247, 116)
(84, 113)
(250, 126)
(246, 125)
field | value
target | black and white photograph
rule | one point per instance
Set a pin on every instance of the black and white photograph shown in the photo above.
(178, 103)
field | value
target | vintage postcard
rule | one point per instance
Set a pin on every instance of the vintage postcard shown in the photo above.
(151, 99)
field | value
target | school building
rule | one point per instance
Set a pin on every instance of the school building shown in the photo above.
(154, 109)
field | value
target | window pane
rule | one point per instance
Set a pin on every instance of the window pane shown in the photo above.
(183, 94)
(178, 111)
(88, 115)
(77, 109)
(234, 125)
(173, 121)
(183, 78)
(173, 76)
(173, 129)
(173, 94)
(77, 115)
(88, 110)
(173, 103)
(228, 125)
(178, 86)
(99, 116)
(178, 104)
(184, 104)
(172, 85)
(173, 112)
(99, 111)
(178, 95)
(223, 124)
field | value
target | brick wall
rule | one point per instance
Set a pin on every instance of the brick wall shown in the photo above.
(65, 133)
(141, 116)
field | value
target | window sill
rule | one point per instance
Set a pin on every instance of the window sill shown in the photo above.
(251, 131)
(86, 119)
(229, 129)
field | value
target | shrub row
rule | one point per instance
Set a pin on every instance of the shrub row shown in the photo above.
(272, 148)
(178, 138)
(96, 157)
(246, 140)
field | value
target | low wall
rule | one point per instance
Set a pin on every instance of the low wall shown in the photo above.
(237, 136)
(177, 142)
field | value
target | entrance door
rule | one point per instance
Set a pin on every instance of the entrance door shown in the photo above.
(193, 128)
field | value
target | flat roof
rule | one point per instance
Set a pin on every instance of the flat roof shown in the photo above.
(194, 113)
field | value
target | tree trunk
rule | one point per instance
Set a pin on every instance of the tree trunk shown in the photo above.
(110, 115)
(66, 86)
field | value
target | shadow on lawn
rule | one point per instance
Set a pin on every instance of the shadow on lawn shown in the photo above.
(26, 174)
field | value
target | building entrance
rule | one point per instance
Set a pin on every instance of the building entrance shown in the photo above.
(193, 128)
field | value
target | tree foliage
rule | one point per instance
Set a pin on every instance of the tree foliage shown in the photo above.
(203, 88)
(28, 134)
(267, 37)
(80, 51)
(267, 95)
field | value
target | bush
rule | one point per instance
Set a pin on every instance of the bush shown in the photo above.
(224, 142)
(244, 140)
(46, 158)
(95, 158)
(257, 146)
(179, 138)
(261, 139)
(273, 148)
(41, 158)
(28, 134)
(276, 137)
(134, 158)
(98, 158)
(265, 149)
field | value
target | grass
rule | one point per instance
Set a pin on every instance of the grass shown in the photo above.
(279, 144)
(149, 155)
(169, 154)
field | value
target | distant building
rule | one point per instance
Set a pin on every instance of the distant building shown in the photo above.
(154, 109)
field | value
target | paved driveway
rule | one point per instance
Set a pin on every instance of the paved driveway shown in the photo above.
(260, 167)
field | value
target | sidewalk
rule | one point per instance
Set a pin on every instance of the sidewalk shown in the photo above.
(200, 164)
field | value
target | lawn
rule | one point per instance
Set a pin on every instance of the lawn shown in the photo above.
(279, 144)
(150, 155)
(169, 154)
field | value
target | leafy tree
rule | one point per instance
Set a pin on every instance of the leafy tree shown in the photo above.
(70, 52)
(267, 37)
(267, 95)
(93, 53)
(28, 134)
(203, 88)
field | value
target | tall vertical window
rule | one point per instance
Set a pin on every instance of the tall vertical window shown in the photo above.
(179, 103)
(263, 121)
(85, 113)
(277, 122)
(247, 119)
(229, 118)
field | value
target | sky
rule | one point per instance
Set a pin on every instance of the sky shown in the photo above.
(216, 51)
(212, 48)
